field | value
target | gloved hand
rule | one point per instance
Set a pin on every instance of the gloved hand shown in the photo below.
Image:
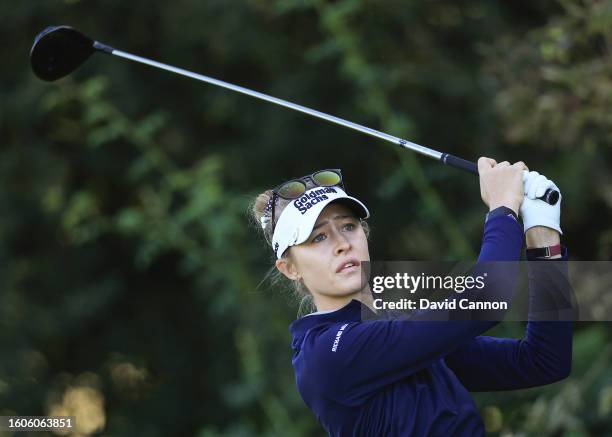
(535, 212)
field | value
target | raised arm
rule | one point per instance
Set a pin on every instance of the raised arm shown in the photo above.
(544, 355)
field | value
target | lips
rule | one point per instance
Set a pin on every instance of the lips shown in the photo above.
(348, 265)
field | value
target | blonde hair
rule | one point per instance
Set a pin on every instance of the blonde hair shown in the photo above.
(257, 210)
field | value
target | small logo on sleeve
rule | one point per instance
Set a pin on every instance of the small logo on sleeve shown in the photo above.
(338, 335)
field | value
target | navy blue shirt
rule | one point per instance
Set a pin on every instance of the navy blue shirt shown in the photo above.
(403, 378)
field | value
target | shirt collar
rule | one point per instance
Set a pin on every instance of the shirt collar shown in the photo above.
(351, 312)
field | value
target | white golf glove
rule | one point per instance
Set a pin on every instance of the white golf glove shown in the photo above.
(536, 212)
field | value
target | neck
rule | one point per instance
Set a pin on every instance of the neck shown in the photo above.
(332, 303)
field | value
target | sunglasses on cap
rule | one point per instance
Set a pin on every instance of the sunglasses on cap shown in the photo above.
(294, 188)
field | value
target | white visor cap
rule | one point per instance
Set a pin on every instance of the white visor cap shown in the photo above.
(300, 215)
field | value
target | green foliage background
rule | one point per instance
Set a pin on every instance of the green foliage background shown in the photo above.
(127, 265)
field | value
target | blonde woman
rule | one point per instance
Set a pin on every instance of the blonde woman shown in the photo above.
(393, 377)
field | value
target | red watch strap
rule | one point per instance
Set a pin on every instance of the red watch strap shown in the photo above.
(544, 252)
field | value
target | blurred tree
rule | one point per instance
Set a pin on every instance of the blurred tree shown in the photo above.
(128, 273)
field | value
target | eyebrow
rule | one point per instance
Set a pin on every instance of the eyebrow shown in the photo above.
(324, 222)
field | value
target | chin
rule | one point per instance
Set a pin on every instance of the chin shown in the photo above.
(349, 287)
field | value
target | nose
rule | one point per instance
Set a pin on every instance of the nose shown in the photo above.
(342, 243)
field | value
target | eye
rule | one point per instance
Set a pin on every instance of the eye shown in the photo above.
(351, 226)
(317, 239)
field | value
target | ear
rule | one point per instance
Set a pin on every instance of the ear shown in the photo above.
(287, 268)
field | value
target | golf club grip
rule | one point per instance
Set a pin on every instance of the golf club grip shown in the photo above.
(456, 162)
(550, 196)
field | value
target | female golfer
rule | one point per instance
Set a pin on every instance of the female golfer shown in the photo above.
(395, 377)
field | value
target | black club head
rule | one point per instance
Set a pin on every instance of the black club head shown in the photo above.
(58, 51)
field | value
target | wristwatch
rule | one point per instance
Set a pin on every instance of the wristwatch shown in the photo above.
(502, 210)
(544, 252)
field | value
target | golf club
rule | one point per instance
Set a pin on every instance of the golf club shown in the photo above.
(59, 50)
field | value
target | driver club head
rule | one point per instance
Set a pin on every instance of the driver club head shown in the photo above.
(58, 51)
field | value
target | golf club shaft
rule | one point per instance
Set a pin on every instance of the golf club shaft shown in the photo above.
(551, 196)
(366, 130)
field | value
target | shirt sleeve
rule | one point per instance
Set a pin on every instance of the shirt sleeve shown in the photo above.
(355, 359)
(543, 356)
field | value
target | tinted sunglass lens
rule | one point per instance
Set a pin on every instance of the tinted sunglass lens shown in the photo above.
(327, 178)
(292, 190)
